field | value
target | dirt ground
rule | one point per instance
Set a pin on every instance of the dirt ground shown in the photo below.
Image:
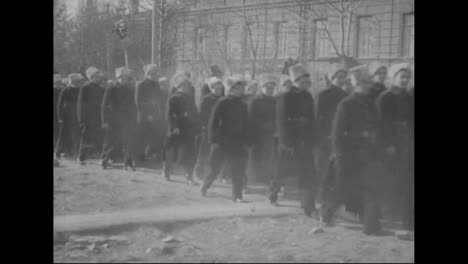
(89, 189)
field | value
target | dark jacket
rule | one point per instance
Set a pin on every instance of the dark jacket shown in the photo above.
(118, 106)
(207, 104)
(57, 92)
(228, 123)
(394, 112)
(354, 141)
(376, 90)
(205, 90)
(89, 104)
(262, 116)
(67, 105)
(247, 98)
(355, 125)
(295, 117)
(148, 98)
(182, 113)
(327, 101)
(411, 94)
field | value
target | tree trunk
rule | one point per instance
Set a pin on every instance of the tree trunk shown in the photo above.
(161, 31)
(342, 17)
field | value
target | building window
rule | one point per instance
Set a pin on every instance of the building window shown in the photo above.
(246, 44)
(408, 35)
(366, 38)
(321, 40)
(226, 41)
(281, 40)
(199, 43)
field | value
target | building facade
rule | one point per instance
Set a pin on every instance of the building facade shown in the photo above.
(242, 36)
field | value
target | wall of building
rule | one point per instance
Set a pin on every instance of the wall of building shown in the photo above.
(384, 17)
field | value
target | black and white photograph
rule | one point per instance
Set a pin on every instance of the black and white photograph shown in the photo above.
(240, 131)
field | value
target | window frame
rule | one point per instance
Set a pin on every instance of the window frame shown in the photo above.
(360, 18)
(199, 43)
(318, 31)
(405, 50)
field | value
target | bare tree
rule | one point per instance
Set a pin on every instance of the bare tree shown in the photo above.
(250, 24)
(344, 10)
(168, 12)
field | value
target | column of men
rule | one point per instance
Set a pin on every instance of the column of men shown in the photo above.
(344, 148)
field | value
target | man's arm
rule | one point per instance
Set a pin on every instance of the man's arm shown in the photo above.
(386, 116)
(213, 124)
(281, 119)
(105, 106)
(81, 105)
(339, 127)
(60, 103)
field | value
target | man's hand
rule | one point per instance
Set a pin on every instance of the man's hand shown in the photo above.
(60, 121)
(105, 125)
(150, 118)
(176, 131)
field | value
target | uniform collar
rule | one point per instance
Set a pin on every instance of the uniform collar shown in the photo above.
(334, 88)
(294, 89)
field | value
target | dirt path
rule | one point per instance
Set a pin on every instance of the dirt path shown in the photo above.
(84, 222)
(142, 209)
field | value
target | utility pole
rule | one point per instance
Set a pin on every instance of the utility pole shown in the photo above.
(153, 37)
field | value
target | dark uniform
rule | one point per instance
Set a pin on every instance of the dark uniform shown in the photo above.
(327, 101)
(354, 144)
(89, 109)
(247, 98)
(395, 113)
(206, 108)
(57, 91)
(408, 212)
(149, 101)
(228, 130)
(68, 138)
(296, 123)
(262, 118)
(182, 114)
(376, 90)
(205, 90)
(119, 112)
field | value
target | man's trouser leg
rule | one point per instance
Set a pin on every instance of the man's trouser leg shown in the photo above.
(188, 156)
(84, 142)
(237, 158)
(333, 191)
(90, 139)
(63, 139)
(203, 152)
(285, 163)
(143, 139)
(75, 138)
(321, 158)
(217, 157)
(111, 140)
(307, 178)
(129, 137)
(254, 163)
(371, 215)
(170, 155)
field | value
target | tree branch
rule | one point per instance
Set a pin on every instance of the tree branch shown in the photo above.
(334, 7)
(357, 6)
